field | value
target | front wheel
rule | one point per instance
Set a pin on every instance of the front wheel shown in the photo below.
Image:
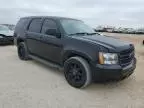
(77, 72)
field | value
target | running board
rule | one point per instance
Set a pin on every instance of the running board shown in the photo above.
(46, 62)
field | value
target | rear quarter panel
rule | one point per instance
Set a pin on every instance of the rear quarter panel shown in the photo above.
(20, 29)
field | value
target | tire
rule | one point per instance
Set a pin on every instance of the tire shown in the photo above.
(22, 51)
(77, 72)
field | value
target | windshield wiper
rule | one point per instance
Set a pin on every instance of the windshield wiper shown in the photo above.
(82, 33)
(93, 33)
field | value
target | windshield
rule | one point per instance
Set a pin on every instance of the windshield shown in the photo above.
(4, 28)
(75, 26)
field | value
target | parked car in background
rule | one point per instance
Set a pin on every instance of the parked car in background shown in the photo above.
(130, 31)
(100, 29)
(10, 26)
(140, 31)
(6, 35)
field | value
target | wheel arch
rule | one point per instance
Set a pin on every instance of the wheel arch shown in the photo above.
(69, 54)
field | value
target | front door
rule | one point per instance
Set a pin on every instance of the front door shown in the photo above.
(50, 46)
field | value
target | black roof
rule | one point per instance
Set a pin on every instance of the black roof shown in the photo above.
(53, 17)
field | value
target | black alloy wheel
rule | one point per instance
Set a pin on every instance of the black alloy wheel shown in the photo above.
(77, 72)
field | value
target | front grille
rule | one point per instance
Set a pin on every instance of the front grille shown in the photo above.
(126, 56)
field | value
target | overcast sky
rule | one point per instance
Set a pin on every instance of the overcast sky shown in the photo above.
(127, 13)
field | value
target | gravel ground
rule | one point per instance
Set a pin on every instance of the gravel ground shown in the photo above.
(29, 84)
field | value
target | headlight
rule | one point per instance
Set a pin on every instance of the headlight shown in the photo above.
(1, 36)
(108, 58)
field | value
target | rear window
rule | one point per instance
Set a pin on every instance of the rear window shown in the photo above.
(35, 25)
(22, 24)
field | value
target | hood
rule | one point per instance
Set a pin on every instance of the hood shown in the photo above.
(7, 33)
(106, 41)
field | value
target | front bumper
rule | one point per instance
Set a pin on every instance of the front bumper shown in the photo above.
(113, 72)
(6, 40)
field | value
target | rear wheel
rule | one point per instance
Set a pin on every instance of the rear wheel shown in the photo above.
(22, 51)
(77, 72)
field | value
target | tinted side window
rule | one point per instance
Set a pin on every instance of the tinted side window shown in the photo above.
(48, 24)
(35, 25)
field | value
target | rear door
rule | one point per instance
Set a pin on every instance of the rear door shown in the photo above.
(50, 46)
(33, 36)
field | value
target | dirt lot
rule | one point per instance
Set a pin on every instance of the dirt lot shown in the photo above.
(29, 84)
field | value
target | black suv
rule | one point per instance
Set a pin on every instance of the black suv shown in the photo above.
(70, 44)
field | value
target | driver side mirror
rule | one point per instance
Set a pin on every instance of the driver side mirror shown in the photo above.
(53, 32)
